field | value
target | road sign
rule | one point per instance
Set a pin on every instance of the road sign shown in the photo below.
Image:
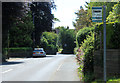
(96, 14)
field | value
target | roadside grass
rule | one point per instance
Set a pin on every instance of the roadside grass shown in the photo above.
(109, 80)
(114, 80)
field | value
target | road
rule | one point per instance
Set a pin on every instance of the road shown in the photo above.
(50, 68)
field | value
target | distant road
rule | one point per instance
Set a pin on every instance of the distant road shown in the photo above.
(50, 68)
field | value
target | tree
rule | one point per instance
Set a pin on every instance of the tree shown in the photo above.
(10, 12)
(66, 40)
(21, 32)
(42, 18)
(49, 42)
(114, 15)
(82, 20)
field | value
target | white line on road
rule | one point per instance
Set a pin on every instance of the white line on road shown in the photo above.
(7, 71)
(59, 67)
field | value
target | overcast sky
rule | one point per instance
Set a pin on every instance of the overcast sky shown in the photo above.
(65, 11)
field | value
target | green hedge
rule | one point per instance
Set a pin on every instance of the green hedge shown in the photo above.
(87, 47)
(112, 35)
(18, 49)
(81, 35)
(19, 52)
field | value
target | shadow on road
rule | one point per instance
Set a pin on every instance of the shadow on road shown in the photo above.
(48, 56)
(11, 63)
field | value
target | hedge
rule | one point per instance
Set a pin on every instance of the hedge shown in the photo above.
(112, 35)
(18, 49)
(87, 47)
(19, 52)
(81, 35)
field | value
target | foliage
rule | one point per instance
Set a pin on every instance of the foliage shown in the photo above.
(109, 80)
(49, 42)
(60, 27)
(82, 20)
(42, 19)
(8, 18)
(20, 33)
(15, 51)
(114, 15)
(66, 40)
(51, 37)
(81, 35)
(87, 47)
(112, 35)
(44, 43)
(10, 12)
(19, 52)
(56, 19)
(85, 39)
(114, 80)
(18, 49)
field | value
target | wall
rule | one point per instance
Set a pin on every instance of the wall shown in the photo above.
(112, 63)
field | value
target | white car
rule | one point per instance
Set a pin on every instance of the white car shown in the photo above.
(39, 52)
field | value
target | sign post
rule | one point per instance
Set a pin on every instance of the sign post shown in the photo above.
(104, 25)
(97, 17)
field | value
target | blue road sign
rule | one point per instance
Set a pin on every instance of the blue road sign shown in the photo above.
(96, 14)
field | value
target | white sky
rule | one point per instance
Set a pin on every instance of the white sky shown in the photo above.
(66, 11)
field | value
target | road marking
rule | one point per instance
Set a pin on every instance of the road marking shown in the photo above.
(59, 67)
(7, 71)
(0, 66)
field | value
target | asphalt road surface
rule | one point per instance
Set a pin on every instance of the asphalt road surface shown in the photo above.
(49, 68)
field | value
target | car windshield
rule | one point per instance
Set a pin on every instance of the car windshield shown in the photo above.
(38, 50)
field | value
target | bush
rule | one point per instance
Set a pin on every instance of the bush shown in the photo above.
(51, 49)
(87, 47)
(49, 42)
(112, 35)
(19, 52)
(18, 49)
(81, 35)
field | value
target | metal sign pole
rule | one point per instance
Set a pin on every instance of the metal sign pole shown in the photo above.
(104, 21)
